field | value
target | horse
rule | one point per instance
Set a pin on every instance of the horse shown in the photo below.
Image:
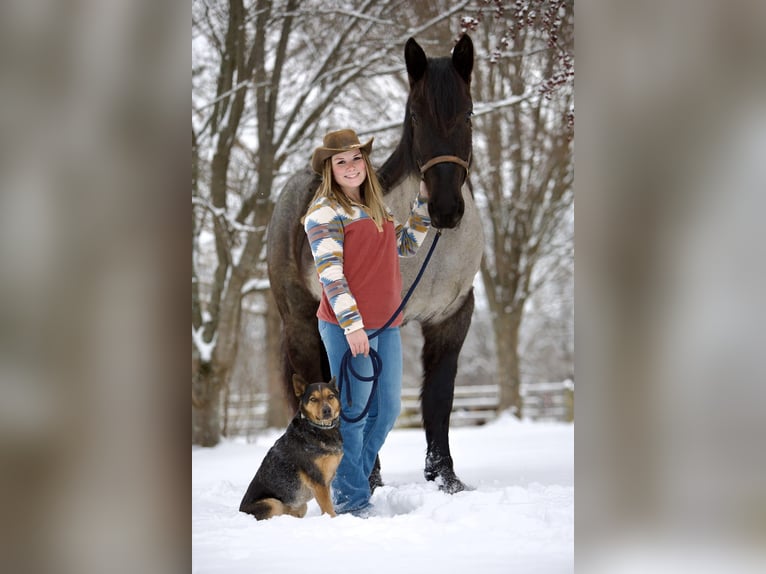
(436, 147)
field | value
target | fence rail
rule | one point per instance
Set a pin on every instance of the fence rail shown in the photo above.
(472, 405)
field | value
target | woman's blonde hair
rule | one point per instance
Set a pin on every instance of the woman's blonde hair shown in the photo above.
(371, 192)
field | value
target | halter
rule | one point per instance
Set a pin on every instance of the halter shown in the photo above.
(446, 159)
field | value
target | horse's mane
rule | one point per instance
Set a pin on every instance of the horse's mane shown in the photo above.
(400, 163)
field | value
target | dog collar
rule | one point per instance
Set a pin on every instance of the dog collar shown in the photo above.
(335, 423)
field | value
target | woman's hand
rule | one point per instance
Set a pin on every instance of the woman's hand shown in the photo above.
(423, 190)
(358, 343)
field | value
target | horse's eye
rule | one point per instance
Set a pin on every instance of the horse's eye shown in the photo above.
(414, 119)
(468, 115)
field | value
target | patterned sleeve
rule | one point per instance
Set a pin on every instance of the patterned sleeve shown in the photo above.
(410, 237)
(325, 231)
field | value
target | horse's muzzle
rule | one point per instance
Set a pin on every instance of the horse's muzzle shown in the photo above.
(446, 219)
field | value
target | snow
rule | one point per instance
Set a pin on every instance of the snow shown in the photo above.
(519, 518)
(205, 349)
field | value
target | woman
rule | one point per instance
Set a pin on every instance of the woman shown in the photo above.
(356, 244)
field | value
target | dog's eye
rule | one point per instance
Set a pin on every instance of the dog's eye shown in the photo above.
(313, 400)
(330, 397)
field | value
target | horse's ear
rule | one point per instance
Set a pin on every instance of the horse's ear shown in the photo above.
(416, 60)
(462, 57)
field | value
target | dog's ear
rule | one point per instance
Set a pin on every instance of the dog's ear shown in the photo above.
(299, 385)
(333, 385)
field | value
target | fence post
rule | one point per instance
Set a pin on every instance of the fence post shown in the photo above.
(569, 401)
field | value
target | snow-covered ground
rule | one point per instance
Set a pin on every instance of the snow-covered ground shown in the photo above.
(519, 518)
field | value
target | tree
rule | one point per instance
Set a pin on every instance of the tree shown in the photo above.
(523, 156)
(215, 326)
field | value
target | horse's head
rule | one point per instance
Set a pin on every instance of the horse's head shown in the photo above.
(438, 119)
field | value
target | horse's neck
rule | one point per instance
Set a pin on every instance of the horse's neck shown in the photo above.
(400, 180)
(400, 197)
(449, 277)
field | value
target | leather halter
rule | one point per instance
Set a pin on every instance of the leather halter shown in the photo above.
(445, 159)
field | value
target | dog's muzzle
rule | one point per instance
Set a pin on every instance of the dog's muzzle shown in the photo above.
(323, 424)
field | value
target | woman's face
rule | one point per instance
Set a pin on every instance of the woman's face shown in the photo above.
(349, 171)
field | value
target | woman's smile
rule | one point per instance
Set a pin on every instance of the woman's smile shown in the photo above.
(349, 171)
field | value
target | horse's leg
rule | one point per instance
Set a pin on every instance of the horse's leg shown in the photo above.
(375, 478)
(302, 346)
(441, 348)
(304, 355)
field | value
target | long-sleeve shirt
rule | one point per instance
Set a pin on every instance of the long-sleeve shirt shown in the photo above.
(358, 266)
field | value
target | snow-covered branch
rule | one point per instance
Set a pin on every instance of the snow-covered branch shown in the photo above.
(255, 286)
(482, 108)
(205, 348)
(220, 213)
(223, 96)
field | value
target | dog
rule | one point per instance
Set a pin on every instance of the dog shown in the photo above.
(302, 463)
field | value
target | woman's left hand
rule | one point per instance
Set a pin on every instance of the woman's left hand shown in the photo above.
(423, 190)
(359, 343)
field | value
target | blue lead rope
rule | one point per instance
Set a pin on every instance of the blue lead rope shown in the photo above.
(377, 363)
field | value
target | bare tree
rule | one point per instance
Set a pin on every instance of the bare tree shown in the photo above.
(215, 323)
(523, 163)
(547, 338)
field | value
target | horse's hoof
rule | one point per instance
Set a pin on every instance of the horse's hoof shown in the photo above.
(445, 478)
(375, 479)
(451, 484)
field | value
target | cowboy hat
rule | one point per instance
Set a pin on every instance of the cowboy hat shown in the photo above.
(337, 142)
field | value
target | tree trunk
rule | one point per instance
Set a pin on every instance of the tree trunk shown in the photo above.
(506, 328)
(206, 408)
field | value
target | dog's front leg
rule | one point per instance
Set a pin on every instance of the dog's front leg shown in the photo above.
(324, 499)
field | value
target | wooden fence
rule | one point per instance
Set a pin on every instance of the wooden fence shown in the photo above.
(548, 401)
(478, 404)
(472, 405)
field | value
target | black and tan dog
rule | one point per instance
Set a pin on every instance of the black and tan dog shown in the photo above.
(302, 463)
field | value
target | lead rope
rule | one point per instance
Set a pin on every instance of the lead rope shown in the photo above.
(377, 363)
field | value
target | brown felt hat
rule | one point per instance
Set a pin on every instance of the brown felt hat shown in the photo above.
(336, 142)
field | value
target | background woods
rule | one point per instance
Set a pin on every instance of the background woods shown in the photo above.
(269, 78)
(524, 172)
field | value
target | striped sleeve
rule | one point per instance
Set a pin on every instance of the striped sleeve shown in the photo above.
(410, 236)
(325, 232)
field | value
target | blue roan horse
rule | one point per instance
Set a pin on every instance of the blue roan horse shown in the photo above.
(435, 146)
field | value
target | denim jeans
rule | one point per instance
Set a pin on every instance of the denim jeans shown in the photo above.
(363, 440)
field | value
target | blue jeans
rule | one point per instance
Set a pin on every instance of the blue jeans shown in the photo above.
(363, 440)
